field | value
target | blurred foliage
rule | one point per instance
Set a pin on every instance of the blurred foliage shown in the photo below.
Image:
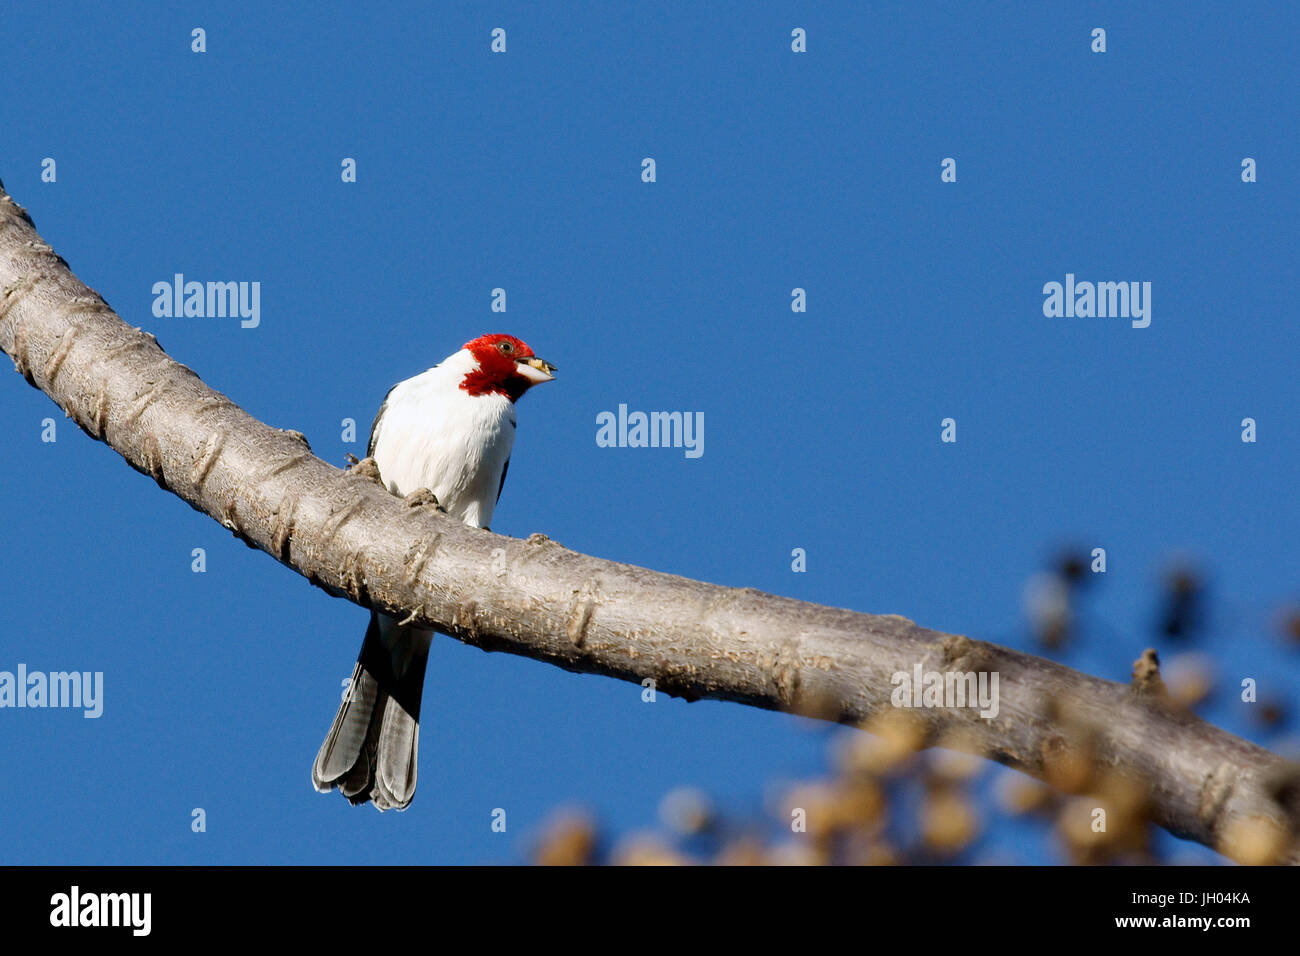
(887, 799)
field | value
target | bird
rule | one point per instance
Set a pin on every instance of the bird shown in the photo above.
(449, 430)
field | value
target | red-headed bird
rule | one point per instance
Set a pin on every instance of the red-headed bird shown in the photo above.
(449, 430)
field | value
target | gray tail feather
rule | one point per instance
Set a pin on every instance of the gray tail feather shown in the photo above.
(370, 750)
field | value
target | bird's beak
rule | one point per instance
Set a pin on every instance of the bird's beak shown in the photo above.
(536, 370)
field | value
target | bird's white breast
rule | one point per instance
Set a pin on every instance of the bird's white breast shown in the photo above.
(435, 435)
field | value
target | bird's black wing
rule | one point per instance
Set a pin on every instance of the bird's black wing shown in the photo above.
(503, 478)
(374, 428)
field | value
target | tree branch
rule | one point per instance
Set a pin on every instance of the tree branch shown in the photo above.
(345, 533)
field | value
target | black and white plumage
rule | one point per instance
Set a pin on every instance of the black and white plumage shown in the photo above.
(450, 430)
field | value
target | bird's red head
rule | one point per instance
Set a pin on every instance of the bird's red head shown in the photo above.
(506, 366)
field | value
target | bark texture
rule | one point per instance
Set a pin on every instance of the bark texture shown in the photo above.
(344, 532)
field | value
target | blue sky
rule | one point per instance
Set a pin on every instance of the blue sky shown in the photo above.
(774, 170)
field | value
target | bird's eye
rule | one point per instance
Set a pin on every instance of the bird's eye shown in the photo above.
(506, 347)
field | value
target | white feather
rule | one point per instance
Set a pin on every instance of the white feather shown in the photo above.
(435, 435)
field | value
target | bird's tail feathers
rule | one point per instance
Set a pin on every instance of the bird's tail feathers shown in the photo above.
(371, 748)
